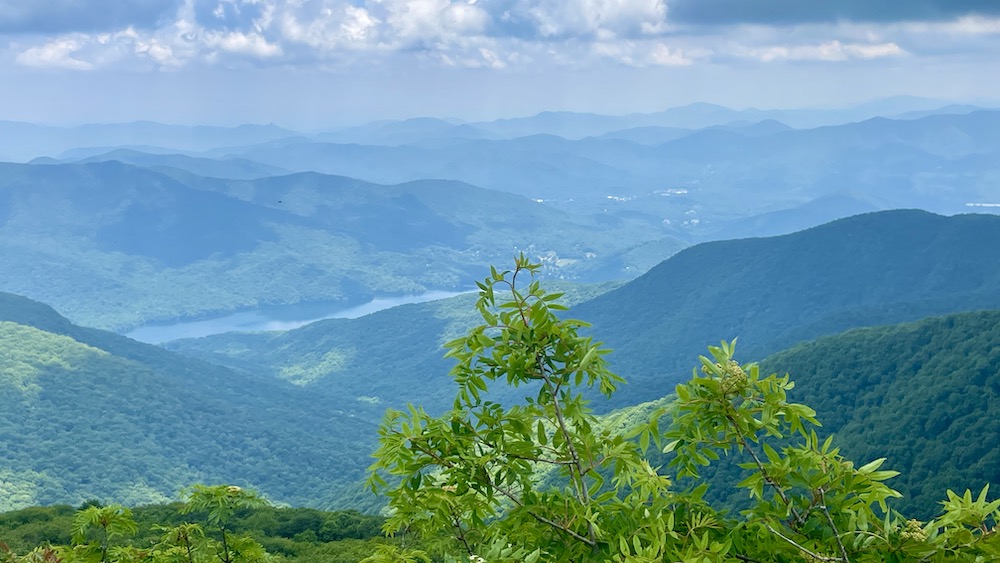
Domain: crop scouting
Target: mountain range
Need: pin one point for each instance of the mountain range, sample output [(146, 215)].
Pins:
[(294, 413), (872, 269), (120, 245)]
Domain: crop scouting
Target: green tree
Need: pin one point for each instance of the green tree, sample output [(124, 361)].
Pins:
[(95, 527), (181, 544), (470, 482), (220, 503)]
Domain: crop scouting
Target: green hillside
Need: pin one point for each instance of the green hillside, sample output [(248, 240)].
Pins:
[(88, 414), (119, 246), (868, 270), (872, 269), (925, 395), (387, 358)]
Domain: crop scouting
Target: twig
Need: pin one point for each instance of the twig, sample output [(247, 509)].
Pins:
[(836, 534), (799, 519), (801, 547)]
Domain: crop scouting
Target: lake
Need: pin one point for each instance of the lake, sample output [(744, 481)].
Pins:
[(276, 318)]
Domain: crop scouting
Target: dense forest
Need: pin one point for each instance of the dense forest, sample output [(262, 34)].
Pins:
[(229, 408)]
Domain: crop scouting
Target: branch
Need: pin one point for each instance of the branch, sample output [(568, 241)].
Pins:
[(826, 512), (592, 542), (576, 476), (513, 498), (799, 519), (800, 547)]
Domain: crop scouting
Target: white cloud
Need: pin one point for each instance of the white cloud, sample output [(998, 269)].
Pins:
[(433, 20), (623, 18), (57, 53), (251, 44), (484, 33), (829, 51), (665, 56)]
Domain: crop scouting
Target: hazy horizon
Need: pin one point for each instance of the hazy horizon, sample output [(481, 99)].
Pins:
[(310, 64)]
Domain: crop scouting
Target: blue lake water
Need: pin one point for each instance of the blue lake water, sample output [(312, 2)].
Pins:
[(275, 318)]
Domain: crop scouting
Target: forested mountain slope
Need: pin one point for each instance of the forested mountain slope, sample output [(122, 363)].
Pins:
[(924, 395), (771, 293), (88, 414), (867, 270)]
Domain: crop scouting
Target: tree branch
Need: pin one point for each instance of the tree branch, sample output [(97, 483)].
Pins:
[(800, 547), (836, 534)]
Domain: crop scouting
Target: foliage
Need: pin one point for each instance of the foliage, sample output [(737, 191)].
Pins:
[(95, 527), (166, 533), (467, 481), (220, 503)]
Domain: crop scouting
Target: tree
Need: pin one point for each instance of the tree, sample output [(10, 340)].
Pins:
[(180, 543), (94, 528), (471, 482), (220, 503)]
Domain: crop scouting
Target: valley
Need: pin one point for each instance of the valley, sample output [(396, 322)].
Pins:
[(247, 314)]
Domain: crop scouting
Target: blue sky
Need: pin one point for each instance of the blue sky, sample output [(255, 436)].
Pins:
[(314, 63)]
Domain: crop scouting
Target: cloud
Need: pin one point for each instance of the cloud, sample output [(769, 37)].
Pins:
[(556, 19), (665, 56), (789, 12), (55, 54), (497, 34), (831, 51)]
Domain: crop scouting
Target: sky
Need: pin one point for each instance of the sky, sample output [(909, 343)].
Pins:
[(316, 63)]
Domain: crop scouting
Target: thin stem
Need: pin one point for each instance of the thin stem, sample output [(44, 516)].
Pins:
[(836, 534), (513, 498), (799, 519), (800, 547), (460, 533), (576, 469)]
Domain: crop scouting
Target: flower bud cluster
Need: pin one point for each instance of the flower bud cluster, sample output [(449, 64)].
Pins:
[(735, 379), (913, 531)]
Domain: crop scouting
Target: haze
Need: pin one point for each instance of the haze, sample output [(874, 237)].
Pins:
[(310, 64)]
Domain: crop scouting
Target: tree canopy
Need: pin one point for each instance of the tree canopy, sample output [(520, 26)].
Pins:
[(471, 482)]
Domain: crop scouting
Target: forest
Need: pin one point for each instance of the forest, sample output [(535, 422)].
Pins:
[(727, 468)]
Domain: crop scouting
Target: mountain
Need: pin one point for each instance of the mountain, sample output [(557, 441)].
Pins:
[(187, 418), (402, 132), (25, 141), (234, 168), (921, 394), (939, 163), (866, 270), (388, 358), (115, 246), (823, 209), (924, 395), (89, 414)]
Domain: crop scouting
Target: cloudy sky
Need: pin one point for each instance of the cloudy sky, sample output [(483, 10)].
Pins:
[(313, 63)]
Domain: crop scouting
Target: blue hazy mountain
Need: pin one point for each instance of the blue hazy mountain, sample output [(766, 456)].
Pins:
[(115, 245)]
